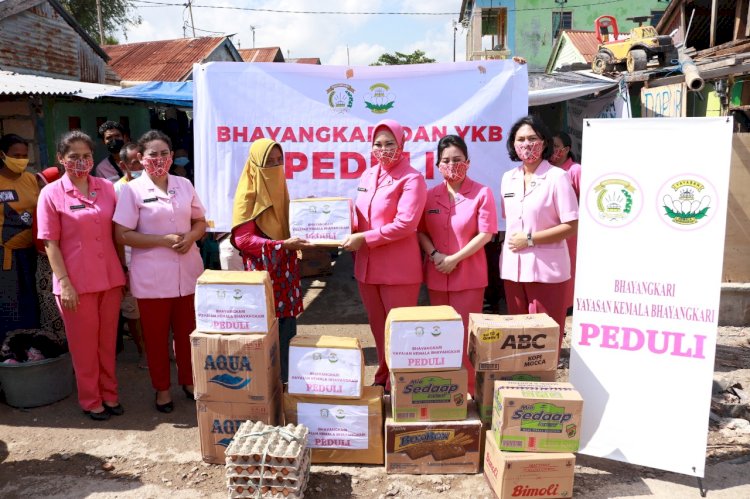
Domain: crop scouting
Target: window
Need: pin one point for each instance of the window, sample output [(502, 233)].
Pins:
[(656, 16), (561, 21), (494, 29), (74, 122)]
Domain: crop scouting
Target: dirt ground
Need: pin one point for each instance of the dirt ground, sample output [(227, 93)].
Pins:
[(56, 452)]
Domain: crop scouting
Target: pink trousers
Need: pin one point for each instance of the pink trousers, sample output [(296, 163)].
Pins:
[(379, 299), (467, 301), (537, 298), (91, 331)]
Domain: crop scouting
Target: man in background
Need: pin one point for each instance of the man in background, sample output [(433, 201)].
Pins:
[(114, 136)]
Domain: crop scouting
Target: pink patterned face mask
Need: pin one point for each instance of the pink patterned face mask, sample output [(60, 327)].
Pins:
[(387, 157), (78, 168), (529, 152), (157, 167), (558, 155), (454, 172)]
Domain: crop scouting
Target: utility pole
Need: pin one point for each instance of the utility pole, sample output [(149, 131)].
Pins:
[(455, 29), (100, 21), (192, 23), (252, 28)]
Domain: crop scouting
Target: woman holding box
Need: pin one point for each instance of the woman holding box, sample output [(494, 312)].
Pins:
[(75, 222), (390, 199), (540, 206), (459, 218), (160, 217), (260, 231)]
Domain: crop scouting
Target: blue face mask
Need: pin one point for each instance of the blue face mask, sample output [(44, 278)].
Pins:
[(136, 174), (181, 161)]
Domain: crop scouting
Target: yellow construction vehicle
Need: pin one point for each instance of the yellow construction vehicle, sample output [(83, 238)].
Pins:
[(633, 50)]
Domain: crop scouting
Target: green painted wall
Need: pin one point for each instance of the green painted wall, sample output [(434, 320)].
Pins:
[(533, 22), (58, 111)]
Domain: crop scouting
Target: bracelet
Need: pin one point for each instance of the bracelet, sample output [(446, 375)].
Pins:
[(433, 252)]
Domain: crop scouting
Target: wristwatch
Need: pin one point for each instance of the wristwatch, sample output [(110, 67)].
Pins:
[(433, 252), (529, 240)]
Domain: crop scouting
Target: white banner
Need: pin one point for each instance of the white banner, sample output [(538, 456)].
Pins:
[(650, 249), (323, 117)]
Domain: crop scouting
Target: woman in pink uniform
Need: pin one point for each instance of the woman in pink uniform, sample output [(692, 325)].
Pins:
[(541, 211), (160, 217), (564, 158), (459, 218), (75, 222), (390, 199)]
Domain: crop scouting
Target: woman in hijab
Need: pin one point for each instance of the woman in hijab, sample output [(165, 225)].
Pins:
[(260, 231), (388, 268)]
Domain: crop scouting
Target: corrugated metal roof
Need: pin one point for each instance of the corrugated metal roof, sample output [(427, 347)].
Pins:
[(305, 60), (25, 84), (164, 60), (585, 42), (263, 54)]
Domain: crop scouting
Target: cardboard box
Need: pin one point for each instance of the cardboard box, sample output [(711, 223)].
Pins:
[(513, 343), (314, 262), (342, 431), (218, 422), (236, 367), (536, 417), (424, 339), (437, 447), (528, 474), (322, 221), (484, 388), (326, 366), (429, 396), (234, 302)]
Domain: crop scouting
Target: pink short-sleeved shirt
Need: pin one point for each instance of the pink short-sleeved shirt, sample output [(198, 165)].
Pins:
[(82, 225), (549, 201), (161, 272), (451, 226)]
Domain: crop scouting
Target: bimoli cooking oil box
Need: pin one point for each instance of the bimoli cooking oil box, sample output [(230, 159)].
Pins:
[(326, 366), (321, 221), (234, 302), (536, 417), (424, 339), (513, 343), (236, 367), (528, 474), (485, 385), (429, 395)]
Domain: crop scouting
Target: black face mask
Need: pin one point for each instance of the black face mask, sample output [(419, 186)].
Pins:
[(114, 146)]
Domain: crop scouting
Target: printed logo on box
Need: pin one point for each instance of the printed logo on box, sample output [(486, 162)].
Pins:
[(406, 440), (335, 426), (542, 417)]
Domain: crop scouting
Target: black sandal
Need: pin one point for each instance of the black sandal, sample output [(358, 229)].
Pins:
[(165, 408), (98, 416), (114, 410), (190, 395)]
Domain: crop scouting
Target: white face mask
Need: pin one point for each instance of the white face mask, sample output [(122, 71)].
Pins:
[(136, 174)]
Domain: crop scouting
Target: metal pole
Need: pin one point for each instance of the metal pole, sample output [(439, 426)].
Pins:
[(455, 29), (192, 23), (100, 21)]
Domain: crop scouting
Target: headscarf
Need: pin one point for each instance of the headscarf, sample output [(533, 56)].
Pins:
[(262, 195)]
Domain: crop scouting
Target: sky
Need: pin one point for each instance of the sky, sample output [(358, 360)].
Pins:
[(311, 35)]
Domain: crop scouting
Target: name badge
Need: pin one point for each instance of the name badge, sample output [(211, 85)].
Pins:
[(8, 196), (433, 212), (77, 206), (509, 194), (361, 189), (150, 200)]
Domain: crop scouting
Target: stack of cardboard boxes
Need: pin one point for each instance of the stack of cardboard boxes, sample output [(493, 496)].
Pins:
[(433, 426), (510, 347), (325, 394), (235, 353)]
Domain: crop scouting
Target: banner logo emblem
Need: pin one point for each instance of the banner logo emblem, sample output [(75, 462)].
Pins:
[(380, 100), (686, 202), (340, 97), (615, 200)]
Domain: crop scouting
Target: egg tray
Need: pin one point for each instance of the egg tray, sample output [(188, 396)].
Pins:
[(272, 475), (238, 488), (257, 446)]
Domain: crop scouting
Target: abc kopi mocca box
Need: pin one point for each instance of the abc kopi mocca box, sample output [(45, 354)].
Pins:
[(536, 417)]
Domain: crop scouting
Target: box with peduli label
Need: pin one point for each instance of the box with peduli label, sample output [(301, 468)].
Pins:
[(326, 366), (429, 396), (424, 339), (321, 221), (236, 367), (528, 474), (343, 431), (513, 343), (536, 417), (433, 447), (484, 388), (234, 302), (219, 421)]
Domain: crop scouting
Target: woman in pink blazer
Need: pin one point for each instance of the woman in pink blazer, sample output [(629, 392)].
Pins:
[(390, 198)]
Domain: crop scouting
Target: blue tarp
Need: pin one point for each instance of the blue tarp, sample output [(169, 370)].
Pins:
[(166, 92)]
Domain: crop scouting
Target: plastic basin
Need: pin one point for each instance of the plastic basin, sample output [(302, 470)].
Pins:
[(31, 384)]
